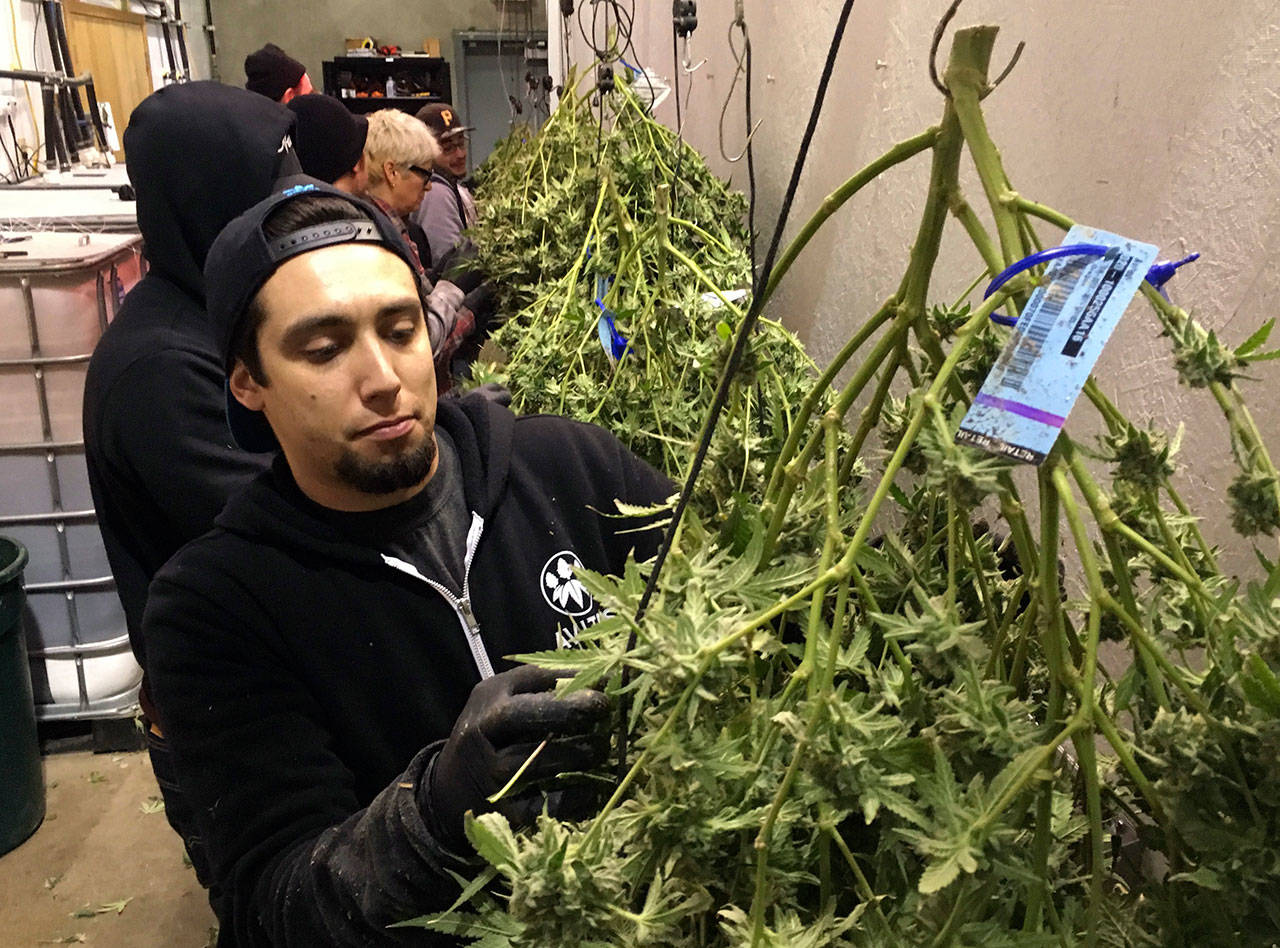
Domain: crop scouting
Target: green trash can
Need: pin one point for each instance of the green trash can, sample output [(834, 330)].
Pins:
[(21, 779)]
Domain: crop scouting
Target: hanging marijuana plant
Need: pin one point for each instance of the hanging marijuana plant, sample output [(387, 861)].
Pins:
[(885, 722)]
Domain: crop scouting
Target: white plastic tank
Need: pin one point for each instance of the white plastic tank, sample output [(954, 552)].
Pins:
[(58, 291)]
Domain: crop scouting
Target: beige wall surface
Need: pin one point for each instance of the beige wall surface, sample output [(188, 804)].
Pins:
[(1157, 120), (312, 31)]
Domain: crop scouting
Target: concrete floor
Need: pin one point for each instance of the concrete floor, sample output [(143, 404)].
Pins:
[(98, 845)]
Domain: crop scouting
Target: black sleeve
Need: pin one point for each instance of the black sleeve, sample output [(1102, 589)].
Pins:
[(170, 462), (294, 858)]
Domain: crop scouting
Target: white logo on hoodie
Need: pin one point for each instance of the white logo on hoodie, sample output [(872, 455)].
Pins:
[(564, 593)]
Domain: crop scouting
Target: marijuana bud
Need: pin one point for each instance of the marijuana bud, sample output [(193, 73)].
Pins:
[(1255, 503)]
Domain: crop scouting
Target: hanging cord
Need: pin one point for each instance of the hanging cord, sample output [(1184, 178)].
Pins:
[(684, 20), (742, 67), (938, 32), (675, 87), (731, 367)]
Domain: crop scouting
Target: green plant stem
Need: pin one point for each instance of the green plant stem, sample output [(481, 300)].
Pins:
[(1085, 750), (831, 431), (694, 228), (985, 595), (1034, 914), (967, 86), (771, 820), (797, 468), (1026, 774), (1013, 199), (1087, 755), (837, 198), (981, 240), (1192, 697), (871, 412), (1125, 755), (1111, 523), (1205, 550), (807, 407), (705, 280), (994, 667), (860, 882), (964, 337)]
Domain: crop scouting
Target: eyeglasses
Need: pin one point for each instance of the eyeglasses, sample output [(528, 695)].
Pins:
[(421, 172)]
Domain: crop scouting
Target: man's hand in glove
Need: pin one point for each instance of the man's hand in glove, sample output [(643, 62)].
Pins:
[(505, 720)]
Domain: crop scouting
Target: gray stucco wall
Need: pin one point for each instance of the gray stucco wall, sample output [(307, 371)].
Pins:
[(1155, 120), (312, 31)]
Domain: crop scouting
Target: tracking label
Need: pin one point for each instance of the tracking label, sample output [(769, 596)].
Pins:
[(1033, 386)]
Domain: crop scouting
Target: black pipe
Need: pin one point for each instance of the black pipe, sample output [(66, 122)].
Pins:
[(168, 43), (181, 30), (96, 116), (51, 32), (19, 175), (82, 130), (50, 125), (59, 135), (209, 31)]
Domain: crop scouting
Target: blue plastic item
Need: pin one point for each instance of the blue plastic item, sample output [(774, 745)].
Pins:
[(614, 343), (1158, 275)]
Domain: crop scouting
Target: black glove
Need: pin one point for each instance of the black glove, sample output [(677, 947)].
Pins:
[(494, 392), (483, 303), (505, 720), (457, 265)]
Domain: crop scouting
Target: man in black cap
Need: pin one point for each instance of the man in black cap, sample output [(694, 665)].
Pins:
[(330, 659), (161, 463), (329, 140), (448, 208), (272, 72)]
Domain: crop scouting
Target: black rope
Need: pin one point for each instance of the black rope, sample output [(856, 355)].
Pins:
[(751, 165), (731, 367), (675, 84)]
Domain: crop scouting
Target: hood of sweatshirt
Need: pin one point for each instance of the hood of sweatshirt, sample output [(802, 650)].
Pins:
[(199, 155), (481, 432)]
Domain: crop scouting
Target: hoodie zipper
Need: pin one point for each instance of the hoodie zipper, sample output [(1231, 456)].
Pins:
[(461, 605)]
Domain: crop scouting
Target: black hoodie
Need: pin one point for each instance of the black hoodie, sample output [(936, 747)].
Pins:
[(161, 462), (300, 675)]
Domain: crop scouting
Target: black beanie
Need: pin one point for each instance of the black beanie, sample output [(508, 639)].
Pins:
[(270, 71), (328, 138)]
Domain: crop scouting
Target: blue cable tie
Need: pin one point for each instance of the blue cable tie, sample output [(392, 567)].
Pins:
[(1162, 272), (614, 343), (1158, 275)]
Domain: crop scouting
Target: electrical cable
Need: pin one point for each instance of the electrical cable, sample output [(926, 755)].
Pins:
[(675, 88), (732, 364), (26, 90)]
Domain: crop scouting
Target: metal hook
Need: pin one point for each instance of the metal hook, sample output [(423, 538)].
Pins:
[(739, 69), (684, 60), (937, 40)]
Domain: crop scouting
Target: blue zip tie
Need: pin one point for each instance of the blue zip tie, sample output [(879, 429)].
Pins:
[(1158, 275), (614, 343), (1162, 272)]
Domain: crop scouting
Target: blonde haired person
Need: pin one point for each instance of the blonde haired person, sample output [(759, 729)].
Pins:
[(399, 152)]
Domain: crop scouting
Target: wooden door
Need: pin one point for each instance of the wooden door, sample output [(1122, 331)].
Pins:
[(111, 44)]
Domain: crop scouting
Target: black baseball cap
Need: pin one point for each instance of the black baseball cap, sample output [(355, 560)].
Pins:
[(243, 258), (328, 137), (443, 120)]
